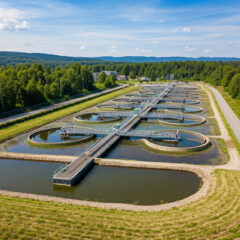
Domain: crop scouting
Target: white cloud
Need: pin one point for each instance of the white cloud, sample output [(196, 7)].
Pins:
[(12, 19), (190, 49), (206, 50), (23, 25), (113, 47), (186, 29), (83, 48), (114, 51), (140, 50), (230, 43)]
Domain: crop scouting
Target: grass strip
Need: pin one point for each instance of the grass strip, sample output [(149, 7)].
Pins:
[(234, 103), (27, 125), (234, 139), (214, 216)]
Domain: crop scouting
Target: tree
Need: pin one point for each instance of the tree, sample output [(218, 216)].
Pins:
[(102, 77), (234, 86), (227, 77), (54, 90), (109, 82), (216, 76), (132, 75)]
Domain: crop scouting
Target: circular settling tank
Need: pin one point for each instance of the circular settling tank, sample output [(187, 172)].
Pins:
[(94, 118), (182, 108), (108, 107), (52, 137), (187, 120), (186, 141)]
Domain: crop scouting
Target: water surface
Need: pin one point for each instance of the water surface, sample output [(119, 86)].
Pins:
[(104, 184)]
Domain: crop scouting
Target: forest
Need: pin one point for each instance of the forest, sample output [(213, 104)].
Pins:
[(24, 85), (226, 74)]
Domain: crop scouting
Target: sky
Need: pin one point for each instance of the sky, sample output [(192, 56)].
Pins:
[(89, 28)]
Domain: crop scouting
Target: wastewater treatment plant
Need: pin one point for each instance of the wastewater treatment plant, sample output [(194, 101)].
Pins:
[(150, 148)]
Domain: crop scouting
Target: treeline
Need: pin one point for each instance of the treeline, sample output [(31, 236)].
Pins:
[(226, 74), (26, 85), (16, 58)]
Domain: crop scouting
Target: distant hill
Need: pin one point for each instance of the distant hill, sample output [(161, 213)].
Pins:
[(14, 58), (140, 59)]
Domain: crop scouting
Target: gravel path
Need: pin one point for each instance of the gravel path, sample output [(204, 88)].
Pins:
[(234, 162), (232, 119)]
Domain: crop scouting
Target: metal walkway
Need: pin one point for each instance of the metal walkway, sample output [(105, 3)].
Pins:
[(142, 99), (78, 168), (136, 105), (164, 135), (126, 114)]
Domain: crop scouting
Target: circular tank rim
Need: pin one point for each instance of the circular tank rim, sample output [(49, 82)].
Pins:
[(31, 139), (202, 121), (155, 146), (114, 119), (111, 106)]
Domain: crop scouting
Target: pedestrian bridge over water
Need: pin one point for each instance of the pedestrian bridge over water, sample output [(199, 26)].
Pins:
[(171, 135)]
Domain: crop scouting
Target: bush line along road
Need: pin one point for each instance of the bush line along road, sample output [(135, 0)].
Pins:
[(213, 216)]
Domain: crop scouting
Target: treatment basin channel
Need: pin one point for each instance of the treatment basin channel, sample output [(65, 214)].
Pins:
[(103, 184)]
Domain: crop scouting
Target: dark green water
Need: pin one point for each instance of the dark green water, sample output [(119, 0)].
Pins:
[(187, 140), (53, 136), (185, 121), (135, 150), (105, 184)]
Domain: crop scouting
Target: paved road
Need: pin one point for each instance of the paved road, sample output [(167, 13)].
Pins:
[(34, 112), (232, 119)]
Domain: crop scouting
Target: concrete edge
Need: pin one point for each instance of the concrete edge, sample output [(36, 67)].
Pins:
[(175, 149), (31, 140), (115, 119), (202, 120)]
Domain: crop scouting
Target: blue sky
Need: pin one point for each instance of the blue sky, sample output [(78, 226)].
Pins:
[(121, 28)]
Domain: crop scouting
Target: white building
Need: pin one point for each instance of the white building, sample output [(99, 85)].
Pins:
[(122, 77), (95, 76), (110, 73), (144, 79)]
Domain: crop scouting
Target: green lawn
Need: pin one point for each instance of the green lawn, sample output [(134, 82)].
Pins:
[(215, 216), (47, 118), (234, 103)]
